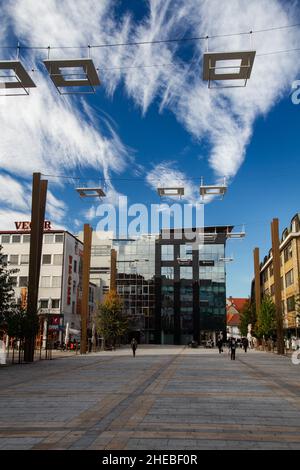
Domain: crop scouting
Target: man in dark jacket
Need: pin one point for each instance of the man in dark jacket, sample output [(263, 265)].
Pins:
[(133, 346), (232, 347), (245, 344)]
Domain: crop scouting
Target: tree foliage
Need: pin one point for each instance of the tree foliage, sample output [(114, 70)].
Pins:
[(8, 305), (111, 323), (247, 316), (266, 321)]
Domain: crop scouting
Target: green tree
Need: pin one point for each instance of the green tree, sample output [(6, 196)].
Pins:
[(8, 305), (247, 316), (111, 323), (266, 320)]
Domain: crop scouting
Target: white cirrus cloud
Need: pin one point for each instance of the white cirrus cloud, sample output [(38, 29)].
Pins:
[(55, 132)]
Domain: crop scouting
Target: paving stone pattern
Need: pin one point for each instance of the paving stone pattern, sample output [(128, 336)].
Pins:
[(166, 398)]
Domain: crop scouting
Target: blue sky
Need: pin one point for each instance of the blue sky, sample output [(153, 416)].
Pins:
[(149, 125)]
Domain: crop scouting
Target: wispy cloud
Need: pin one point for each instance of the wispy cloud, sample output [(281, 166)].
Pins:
[(165, 175), (55, 132)]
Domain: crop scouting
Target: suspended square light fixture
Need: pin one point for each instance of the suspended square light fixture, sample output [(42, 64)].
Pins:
[(213, 190), (170, 192), (91, 192), (73, 73), (226, 66), (18, 78)]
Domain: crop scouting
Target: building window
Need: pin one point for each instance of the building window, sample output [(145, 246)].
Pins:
[(16, 239), (14, 281), (105, 289), (290, 303), (14, 259), (48, 238), (75, 266), (167, 272), (23, 281), (45, 281), (289, 278), (73, 307), (5, 239), (265, 275), (44, 303), (55, 303), (56, 281), (186, 252), (272, 289), (24, 259), (288, 253), (46, 259), (186, 293), (167, 252), (26, 238), (100, 270), (59, 238), (100, 250), (57, 260), (74, 287), (186, 272)]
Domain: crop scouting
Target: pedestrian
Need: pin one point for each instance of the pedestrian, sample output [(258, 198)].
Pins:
[(245, 344), (232, 347), (220, 345), (133, 346)]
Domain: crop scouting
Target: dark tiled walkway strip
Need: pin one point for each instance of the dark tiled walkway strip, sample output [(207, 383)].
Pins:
[(166, 398)]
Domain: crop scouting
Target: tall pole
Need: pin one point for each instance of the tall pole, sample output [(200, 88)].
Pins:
[(39, 194), (257, 289), (87, 244), (277, 284), (113, 270)]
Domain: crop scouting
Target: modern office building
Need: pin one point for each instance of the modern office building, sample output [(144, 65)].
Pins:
[(191, 287), (173, 291), (290, 268), (135, 283), (60, 288)]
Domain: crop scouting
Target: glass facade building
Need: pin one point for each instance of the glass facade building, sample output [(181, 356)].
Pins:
[(135, 283), (191, 288), (173, 291)]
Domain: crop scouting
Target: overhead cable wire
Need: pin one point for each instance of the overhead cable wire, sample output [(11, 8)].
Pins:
[(157, 41)]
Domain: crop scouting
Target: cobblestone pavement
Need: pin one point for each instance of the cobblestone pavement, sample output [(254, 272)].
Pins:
[(166, 398)]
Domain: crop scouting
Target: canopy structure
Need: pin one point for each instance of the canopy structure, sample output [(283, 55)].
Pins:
[(17, 79), (170, 192), (227, 66), (73, 73), (91, 192)]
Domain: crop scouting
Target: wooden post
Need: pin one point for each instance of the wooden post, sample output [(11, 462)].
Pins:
[(257, 288), (277, 284), (113, 270), (39, 194), (87, 244)]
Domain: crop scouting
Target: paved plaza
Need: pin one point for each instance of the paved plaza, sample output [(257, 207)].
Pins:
[(168, 398)]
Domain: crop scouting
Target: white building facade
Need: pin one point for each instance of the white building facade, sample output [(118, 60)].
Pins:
[(60, 288)]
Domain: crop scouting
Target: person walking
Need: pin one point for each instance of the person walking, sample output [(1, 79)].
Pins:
[(133, 346), (220, 345), (245, 344), (232, 347)]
